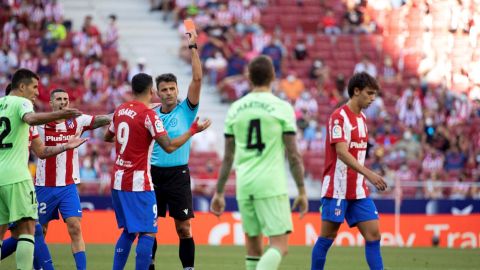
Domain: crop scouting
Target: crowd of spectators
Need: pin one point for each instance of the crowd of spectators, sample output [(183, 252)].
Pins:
[(35, 35), (423, 127)]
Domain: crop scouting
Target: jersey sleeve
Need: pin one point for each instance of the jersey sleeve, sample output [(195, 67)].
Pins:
[(190, 111), (289, 124), (85, 121), (336, 129), (34, 133), (154, 124), (228, 129), (24, 106)]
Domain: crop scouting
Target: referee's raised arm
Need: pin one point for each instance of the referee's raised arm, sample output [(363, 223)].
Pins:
[(197, 74)]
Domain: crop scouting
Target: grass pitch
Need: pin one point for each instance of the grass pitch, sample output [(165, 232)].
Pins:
[(100, 257)]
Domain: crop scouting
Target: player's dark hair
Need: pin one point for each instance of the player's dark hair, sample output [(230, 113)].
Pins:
[(167, 77), (8, 89), (58, 90), (23, 75), (141, 82), (361, 80), (261, 71)]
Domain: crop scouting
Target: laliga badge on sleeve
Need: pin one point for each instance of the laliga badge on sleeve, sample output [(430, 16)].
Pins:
[(336, 130)]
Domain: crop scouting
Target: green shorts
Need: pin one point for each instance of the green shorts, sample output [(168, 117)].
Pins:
[(271, 216), (17, 201)]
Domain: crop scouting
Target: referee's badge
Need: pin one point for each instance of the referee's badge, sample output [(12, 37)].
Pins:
[(336, 130)]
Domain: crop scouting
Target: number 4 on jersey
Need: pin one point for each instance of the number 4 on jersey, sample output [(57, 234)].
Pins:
[(254, 127)]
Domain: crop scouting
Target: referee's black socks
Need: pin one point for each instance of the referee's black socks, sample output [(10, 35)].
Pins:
[(186, 252)]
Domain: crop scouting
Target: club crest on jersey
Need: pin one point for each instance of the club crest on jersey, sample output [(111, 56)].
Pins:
[(336, 130), (69, 123), (173, 122), (338, 212)]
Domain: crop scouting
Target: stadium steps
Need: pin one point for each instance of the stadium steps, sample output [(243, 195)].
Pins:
[(145, 34)]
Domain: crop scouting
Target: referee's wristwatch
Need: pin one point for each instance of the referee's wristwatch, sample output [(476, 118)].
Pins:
[(192, 46)]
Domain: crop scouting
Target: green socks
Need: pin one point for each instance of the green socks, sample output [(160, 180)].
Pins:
[(251, 262), (270, 260), (24, 255)]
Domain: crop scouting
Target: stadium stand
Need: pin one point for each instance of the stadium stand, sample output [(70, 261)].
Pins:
[(424, 125)]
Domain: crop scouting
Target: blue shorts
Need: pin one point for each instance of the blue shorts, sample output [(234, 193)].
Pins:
[(135, 211), (354, 211), (52, 200)]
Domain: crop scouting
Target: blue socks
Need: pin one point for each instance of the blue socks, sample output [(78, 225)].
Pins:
[(319, 252), (122, 249), (80, 260), (8, 247), (42, 257), (144, 252), (372, 253)]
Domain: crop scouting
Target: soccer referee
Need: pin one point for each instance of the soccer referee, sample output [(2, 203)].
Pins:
[(170, 173)]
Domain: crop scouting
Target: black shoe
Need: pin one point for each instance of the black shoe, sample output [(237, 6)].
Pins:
[(151, 267)]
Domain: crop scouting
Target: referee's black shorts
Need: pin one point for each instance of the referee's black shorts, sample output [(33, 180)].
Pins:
[(173, 192)]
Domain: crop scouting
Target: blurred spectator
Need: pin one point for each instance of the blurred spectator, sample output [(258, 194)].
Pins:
[(433, 189), (275, 52), (29, 62), (120, 72), (353, 19), (319, 71), (215, 66), (89, 28), (454, 159), (376, 110), (53, 11), (8, 60), (68, 66), (292, 86), (45, 67), (57, 30), (306, 103), (48, 44), (366, 65), (387, 138), (405, 174), (329, 23), (97, 73), (117, 93), (300, 50), (248, 19), (408, 148), (389, 72), (92, 96), (138, 68), (236, 63), (88, 173), (111, 36), (432, 160), (460, 189)]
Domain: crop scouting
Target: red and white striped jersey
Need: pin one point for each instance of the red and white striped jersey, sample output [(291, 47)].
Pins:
[(340, 181), (135, 126), (62, 169), (33, 134)]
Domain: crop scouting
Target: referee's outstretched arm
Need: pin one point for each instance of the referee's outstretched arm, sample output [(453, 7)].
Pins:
[(197, 74)]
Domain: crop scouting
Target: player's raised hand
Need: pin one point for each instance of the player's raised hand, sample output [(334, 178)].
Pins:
[(75, 141), (67, 113), (199, 127), (301, 201), (377, 181), (217, 205)]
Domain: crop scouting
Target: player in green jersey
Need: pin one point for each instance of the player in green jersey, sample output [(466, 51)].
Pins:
[(17, 195), (258, 129)]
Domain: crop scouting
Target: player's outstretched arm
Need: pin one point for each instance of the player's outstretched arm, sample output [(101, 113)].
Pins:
[(108, 136), (197, 74), (42, 151), (296, 168), (102, 120), (217, 205), (169, 145), (35, 119), (342, 152)]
